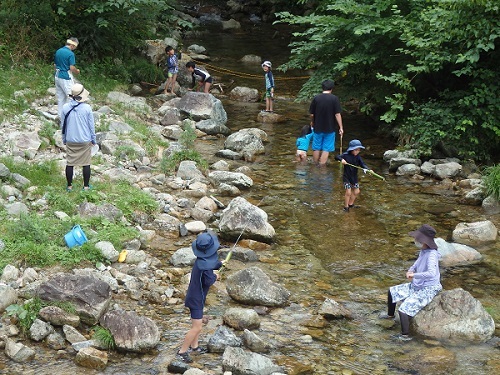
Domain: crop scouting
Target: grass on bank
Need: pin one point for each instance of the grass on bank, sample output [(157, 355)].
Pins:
[(491, 180), (37, 238)]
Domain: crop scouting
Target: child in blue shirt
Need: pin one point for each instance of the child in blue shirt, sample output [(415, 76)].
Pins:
[(172, 69), (303, 143), (269, 78)]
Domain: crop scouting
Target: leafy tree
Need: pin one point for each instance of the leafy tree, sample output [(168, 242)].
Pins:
[(427, 67)]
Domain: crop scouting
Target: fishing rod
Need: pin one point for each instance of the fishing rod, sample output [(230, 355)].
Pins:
[(368, 170)]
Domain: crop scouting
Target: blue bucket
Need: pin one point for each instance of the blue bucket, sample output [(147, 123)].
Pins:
[(75, 237)]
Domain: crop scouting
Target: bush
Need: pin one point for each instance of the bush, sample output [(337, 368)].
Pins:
[(491, 179)]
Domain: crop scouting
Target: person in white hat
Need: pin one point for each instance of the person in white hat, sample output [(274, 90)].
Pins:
[(78, 134), (269, 79), (64, 65)]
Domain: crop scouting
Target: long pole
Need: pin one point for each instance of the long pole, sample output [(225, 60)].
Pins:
[(369, 170)]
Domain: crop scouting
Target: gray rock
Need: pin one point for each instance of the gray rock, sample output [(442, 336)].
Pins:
[(231, 24), (90, 296), (221, 165), (200, 106), (447, 170), (188, 171), (393, 154), (227, 190), (242, 216), (239, 361), (255, 343), (251, 139), (135, 256), (40, 330), (407, 170), (395, 163), (455, 254), (195, 48), (475, 196), (17, 209), (135, 103), (251, 59), (183, 257), (20, 181), (244, 94), (171, 116), (8, 296), (131, 332), (166, 226), (252, 286), (10, 273), (107, 250), (18, 352), (241, 319), (55, 341), (477, 233), (106, 210), (92, 358), (221, 339), (72, 334), (331, 309), (228, 154), (491, 205), (428, 168), (242, 254), (29, 275), (455, 317), (4, 172), (174, 132), (212, 127), (58, 317), (119, 127), (240, 180)]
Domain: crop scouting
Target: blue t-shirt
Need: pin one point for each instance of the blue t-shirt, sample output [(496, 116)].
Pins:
[(304, 142), (268, 76), (63, 59)]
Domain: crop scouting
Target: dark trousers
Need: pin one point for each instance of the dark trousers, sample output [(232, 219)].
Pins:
[(403, 318), (86, 175)]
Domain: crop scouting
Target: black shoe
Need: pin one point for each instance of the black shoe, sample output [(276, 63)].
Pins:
[(346, 209), (401, 337), (184, 357), (353, 206), (198, 350), (385, 316)]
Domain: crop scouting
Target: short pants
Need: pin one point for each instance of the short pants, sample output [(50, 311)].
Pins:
[(323, 142), (196, 314), (348, 185)]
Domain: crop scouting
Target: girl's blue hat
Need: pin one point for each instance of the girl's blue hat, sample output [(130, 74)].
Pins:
[(205, 245), (354, 144)]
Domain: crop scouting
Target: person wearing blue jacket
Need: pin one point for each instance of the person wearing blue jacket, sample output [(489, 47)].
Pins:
[(350, 177), (303, 142), (425, 282), (202, 277), (78, 134)]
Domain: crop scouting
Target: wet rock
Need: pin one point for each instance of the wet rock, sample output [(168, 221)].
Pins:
[(427, 361), (408, 170), (227, 190), (331, 309), (241, 319), (130, 331), (177, 367), (58, 317), (270, 117), (491, 205), (55, 341), (92, 358), (239, 361), (221, 339), (475, 197), (228, 154), (90, 296), (244, 94), (18, 352), (239, 180), (249, 141), (252, 286), (455, 317), (476, 233), (242, 216), (212, 127), (395, 163), (240, 253), (221, 165), (454, 254), (255, 343), (40, 330)]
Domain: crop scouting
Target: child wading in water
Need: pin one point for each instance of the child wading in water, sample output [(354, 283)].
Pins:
[(172, 69), (350, 176), (303, 143), (269, 78), (202, 277)]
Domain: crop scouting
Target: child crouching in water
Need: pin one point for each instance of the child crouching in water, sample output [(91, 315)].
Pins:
[(202, 277), (303, 142), (350, 177)]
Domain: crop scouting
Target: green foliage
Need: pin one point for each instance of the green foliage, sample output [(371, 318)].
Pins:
[(104, 337), (426, 66), (170, 163), (188, 136), (491, 180), (25, 314)]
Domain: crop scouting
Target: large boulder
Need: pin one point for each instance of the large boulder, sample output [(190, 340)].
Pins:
[(239, 180), (221, 339), (90, 296), (251, 286), (455, 254), (447, 170), (135, 103), (240, 216), (244, 94), (130, 331), (201, 106), (212, 127), (395, 163), (455, 317), (477, 233), (247, 141)]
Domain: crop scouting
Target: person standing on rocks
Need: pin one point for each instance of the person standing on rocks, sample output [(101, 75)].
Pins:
[(325, 116), (425, 282), (64, 65), (202, 277), (78, 134), (269, 81)]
